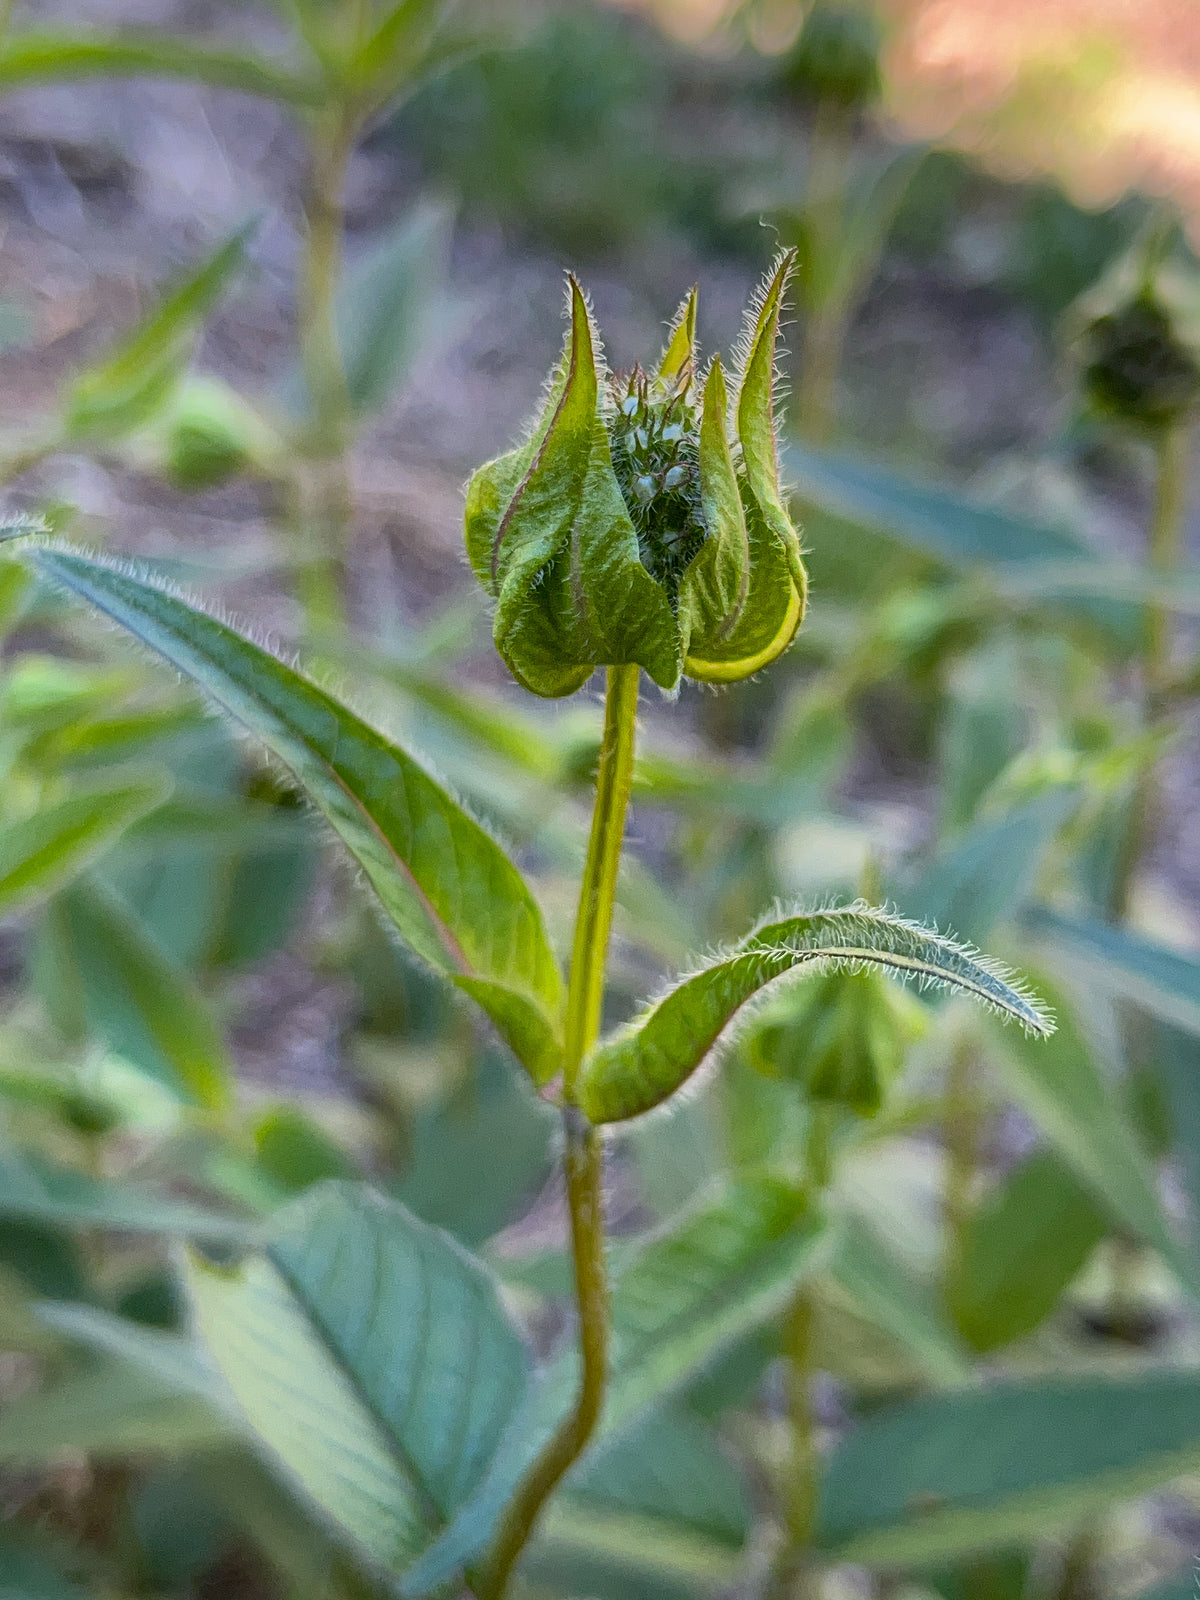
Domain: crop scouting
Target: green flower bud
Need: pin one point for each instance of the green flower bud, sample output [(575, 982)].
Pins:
[(842, 1036), (210, 435), (1137, 336), (642, 523), (836, 56)]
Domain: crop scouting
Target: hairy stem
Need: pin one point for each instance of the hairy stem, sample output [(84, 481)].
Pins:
[(583, 1155), (325, 496)]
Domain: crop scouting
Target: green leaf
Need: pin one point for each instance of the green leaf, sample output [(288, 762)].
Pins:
[(983, 878), (725, 1267), (1161, 980), (1064, 1091), (670, 1467), (610, 1554), (452, 893), (945, 1477), (32, 1187), (42, 852), (680, 1300), (494, 1128), (384, 314), (373, 1357), (892, 1299), (133, 995), (26, 1573), (41, 56), (110, 1408), (1020, 1250), (122, 391), (648, 1060), (939, 522)]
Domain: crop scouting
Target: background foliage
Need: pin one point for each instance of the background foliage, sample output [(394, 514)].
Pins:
[(273, 281)]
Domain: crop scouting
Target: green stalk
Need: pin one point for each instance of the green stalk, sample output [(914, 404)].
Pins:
[(830, 304), (325, 497), (962, 1128), (583, 1155), (794, 1573), (1164, 550)]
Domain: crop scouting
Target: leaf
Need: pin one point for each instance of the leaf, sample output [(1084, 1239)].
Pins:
[(32, 1187), (1177, 1057), (41, 56), (452, 893), (669, 1467), (609, 1554), (127, 387), (43, 851), (891, 1299), (27, 1573), (1020, 1249), (384, 314), (647, 1061), (681, 1299), (372, 1356), (984, 877), (726, 1266), (942, 1478), (109, 1409), (1061, 1087), (497, 1130), (1161, 980), (939, 522), (134, 997)]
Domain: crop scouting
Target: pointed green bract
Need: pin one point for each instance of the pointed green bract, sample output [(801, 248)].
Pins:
[(712, 596), (680, 352), (756, 421), (655, 1054), (451, 892)]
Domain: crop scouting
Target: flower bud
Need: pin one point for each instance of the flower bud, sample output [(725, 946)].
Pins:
[(842, 1036), (642, 523), (836, 57), (1138, 341)]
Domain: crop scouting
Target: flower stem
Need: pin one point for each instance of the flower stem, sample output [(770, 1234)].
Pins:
[(1164, 548), (326, 500), (583, 1154), (795, 1574)]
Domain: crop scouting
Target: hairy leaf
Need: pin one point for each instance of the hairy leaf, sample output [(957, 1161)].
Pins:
[(452, 893), (657, 1052)]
